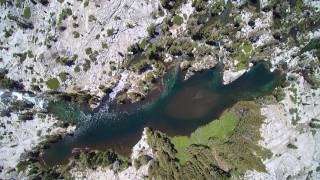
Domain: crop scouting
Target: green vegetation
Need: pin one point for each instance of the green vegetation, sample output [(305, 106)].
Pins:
[(142, 160), (65, 13), (299, 6), (26, 12), (7, 83), (171, 5), (292, 146), (86, 65), (86, 3), (22, 56), (243, 61), (92, 18), (313, 44), (178, 20), (30, 54), (219, 130), (315, 123), (19, 105), (82, 159), (77, 69), (76, 34), (88, 50), (247, 47), (63, 60), (2, 2), (53, 83), (151, 30), (279, 94), (224, 148), (104, 45), (18, 3), (96, 159), (110, 32), (63, 76)]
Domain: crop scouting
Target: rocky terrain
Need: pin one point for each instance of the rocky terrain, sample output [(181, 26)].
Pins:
[(71, 46), (24, 124), (119, 48)]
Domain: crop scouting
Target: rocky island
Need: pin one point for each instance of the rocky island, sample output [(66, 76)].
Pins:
[(160, 89)]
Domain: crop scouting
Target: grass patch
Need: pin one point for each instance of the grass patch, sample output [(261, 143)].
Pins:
[(243, 61), (247, 47), (26, 12), (53, 84), (220, 130)]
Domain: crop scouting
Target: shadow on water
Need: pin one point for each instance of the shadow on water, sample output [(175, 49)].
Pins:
[(179, 110)]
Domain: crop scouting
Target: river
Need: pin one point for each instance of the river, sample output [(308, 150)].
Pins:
[(178, 110)]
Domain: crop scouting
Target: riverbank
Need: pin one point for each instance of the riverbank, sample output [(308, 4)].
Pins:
[(289, 134), (24, 125)]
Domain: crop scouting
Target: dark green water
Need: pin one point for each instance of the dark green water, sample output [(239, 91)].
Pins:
[(180, 109)]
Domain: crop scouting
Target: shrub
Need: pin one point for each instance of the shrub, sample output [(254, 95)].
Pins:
[(178, 20), (104, 45), (151, 30), (92, 18), (30, 54), (292, 146), (86, 65), (110, 32), (63, 76), (64, 14), (53, 84), (76, 34), (88, 51), (86, 3), (77, 69)]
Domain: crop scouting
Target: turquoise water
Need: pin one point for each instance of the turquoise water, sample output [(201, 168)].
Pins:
[(180, 109)]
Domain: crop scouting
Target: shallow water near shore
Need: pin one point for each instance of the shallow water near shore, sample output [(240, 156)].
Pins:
[(179, 110)]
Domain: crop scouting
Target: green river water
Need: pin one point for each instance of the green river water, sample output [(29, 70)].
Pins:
[(180, 109)]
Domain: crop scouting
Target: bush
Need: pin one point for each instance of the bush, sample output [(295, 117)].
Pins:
[(171, 5), (104, 45), (77, 69), (92, 18), (53, 84), (110, 32), (88, 51), (292, 146), (76, 34), (247, 47), (151, 30), (178, 20), (86, 65), (64, 14), (63, 76)]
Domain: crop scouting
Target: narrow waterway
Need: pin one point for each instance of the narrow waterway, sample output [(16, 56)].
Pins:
[(180, 109)]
